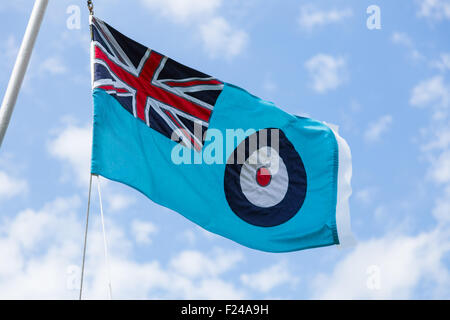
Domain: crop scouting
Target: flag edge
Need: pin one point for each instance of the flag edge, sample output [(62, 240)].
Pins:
[(344, 191)]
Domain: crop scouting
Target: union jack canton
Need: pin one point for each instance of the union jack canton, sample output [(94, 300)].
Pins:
[(173, 99)]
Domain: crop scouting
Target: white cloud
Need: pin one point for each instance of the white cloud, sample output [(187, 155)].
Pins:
[(402, 38), (10, 251), (381, 213), (43, 249), (311, 17), (220, 39), (440, 141), (269, 278), (29, 226), (151, 280), (401, 264), (188, 236), (443, 64), (10, 48), (195, 264), (53, 65), (216, 289), (39, 245), (405, 263), (434, 9), (118, 202), (440, 168), (327, 72), (377, 128), (11, 186), (441, 210), (73, 146), (142, 230), (390, 267), (433, 92), (184, 10), (365, 195)]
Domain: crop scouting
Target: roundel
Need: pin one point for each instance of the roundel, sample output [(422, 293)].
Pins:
[(265, 179)]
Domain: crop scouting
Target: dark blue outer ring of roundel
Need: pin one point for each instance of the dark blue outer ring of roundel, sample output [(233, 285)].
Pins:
[(295, 195)]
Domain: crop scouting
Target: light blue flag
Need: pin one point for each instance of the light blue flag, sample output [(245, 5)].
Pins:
[(230, 162)]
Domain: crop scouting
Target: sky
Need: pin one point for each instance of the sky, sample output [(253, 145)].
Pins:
[(386, 85)]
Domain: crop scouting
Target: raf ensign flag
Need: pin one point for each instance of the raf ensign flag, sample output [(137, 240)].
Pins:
[(228, 161)]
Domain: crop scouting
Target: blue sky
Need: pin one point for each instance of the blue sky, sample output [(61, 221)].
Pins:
[(388, 90)]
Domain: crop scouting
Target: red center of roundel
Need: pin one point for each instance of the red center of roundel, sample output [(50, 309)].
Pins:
[(263, 176)]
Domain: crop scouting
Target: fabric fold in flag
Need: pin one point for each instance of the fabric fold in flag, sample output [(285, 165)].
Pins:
[(232, 163)]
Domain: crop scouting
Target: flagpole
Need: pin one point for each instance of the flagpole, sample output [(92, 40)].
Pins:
[(85, 236), (21, 65)]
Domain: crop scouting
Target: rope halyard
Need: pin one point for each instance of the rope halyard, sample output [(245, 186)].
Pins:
[(105, 246)]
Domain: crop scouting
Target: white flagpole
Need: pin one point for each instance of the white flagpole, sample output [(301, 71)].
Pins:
[(21, 65)]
